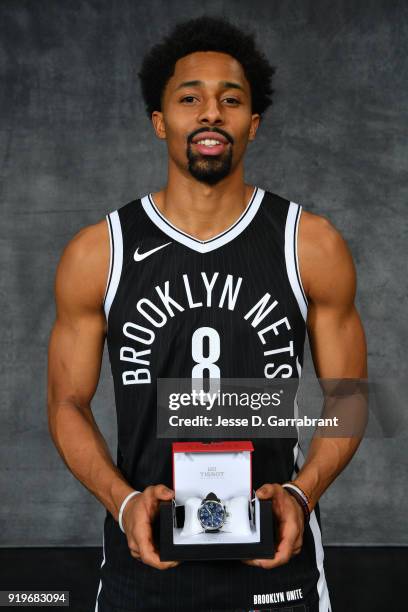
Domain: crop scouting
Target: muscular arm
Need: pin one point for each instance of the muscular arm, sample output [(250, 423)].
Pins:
[(74, 361), (339, 351), (336, 338)]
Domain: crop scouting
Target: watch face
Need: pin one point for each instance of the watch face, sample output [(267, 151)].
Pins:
[(211, 515)]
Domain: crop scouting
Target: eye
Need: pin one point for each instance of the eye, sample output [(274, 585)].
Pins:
[(232, 101), (188, 99)]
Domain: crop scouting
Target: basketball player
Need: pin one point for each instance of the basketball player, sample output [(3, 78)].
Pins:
[(201, 253)]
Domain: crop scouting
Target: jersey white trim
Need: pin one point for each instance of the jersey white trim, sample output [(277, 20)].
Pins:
[(204, 246), (324, 598), (299, 459), (291, 256), (102, 564), (296, 414), (322, 589), (116, 259), (110, 257)]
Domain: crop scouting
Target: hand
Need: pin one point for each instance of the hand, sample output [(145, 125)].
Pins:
[(137, 521), (290, 517)]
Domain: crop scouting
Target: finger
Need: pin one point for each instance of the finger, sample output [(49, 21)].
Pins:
[(276, 494), (278, 559), (135, 553), (149, 555), (143, 536), (152, 558), (147, 550), (160, 491), (141, 544), (262, 563), (252, 562), (289, 542), (266, 491), (298, 543)]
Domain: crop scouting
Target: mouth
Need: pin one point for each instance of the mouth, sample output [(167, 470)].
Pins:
[(210, 143)]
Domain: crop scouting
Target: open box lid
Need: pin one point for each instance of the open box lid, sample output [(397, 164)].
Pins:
[(223, 468)]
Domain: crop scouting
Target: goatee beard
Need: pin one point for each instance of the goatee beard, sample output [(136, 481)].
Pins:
[(207, 169)]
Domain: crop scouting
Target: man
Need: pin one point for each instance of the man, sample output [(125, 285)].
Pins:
[(165, 265)]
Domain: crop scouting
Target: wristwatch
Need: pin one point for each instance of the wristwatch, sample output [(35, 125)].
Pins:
[(211, 513)]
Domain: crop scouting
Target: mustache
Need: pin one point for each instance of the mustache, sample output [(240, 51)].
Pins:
[(215, 130)]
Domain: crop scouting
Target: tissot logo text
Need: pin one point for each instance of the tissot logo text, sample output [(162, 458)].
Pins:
[(211, 473)]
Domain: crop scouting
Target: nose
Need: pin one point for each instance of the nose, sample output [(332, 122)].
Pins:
[(211, 113)]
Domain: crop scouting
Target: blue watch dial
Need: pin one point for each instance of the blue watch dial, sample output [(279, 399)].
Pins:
[(211, 515)]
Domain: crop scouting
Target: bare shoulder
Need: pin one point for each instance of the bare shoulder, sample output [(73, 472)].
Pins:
[(84, 266), (325, 260), (318, 232)]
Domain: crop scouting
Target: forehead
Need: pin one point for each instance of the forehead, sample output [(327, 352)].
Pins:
[(210, 67)]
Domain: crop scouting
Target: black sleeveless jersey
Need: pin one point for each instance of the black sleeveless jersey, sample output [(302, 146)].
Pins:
[(244, 285)]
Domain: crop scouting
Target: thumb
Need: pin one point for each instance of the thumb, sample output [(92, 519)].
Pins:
[(163, 492), (262, 492), (267, 491)]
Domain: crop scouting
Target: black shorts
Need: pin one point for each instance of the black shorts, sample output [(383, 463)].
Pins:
[(104, 606)]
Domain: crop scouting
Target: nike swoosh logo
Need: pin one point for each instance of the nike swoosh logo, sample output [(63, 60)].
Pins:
[(140, 256)]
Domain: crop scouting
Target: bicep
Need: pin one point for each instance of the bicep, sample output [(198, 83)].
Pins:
[(337, 342), (74, 360), (77, 339), (335, 331)]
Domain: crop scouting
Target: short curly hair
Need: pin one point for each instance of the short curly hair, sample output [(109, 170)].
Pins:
[(205, 34)]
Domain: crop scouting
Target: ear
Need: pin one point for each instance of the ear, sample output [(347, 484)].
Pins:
[(158, 124), (254, 126)]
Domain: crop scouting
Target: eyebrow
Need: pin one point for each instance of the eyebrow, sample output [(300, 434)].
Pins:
[(226, 84)]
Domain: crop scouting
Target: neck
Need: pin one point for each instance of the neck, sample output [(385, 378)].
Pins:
[(202, 210)]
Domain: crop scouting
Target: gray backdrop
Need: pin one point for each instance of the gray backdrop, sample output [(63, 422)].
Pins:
[(75, 144)]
